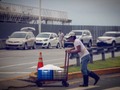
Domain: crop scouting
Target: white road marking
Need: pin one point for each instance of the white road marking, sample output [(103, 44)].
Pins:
[(16, 65), (8, 66), (14, 72), (33, 67), (52, 63)]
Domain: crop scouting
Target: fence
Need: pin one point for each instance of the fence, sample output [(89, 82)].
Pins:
[(8, 28)]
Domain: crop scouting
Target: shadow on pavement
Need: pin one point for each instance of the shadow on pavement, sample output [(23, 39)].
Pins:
[(18, 87)]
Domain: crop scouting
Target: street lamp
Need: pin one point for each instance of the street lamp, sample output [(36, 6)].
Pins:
[(39, 16)]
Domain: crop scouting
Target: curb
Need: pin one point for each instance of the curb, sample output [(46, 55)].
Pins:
[(74, 75), (99, 72)]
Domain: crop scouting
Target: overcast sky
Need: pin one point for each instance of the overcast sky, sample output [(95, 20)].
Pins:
[(82, 12)]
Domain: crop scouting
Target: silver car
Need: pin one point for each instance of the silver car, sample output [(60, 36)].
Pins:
[(23, 39), (110, 38), (84, 35)]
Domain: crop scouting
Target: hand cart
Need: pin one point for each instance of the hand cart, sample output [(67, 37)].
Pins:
[(55, 75)]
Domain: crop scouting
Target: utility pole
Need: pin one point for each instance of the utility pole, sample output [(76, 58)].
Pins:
[(39, 16)]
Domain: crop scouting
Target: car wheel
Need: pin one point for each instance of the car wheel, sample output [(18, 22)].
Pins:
[(34, 46), (58, 45), (7, 48), (38, 83), (25, 46), (65, 83), (90, 43), (113, 43), (49, 45), (82, 41)]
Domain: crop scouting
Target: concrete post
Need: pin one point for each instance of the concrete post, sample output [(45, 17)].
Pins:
[(77, 61), (103, 54), (113, 52), (91, 54)]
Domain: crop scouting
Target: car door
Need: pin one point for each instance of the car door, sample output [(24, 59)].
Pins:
[(84, 37), (55, 39), (51, 40), (30, 39), (118, 38), (88, 37)]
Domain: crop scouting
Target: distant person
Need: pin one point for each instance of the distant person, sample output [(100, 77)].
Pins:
[(61, 39), (83, 53)]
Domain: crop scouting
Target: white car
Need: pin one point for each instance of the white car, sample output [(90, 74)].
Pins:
[(22, 39), (84, 35), (110, 38), (47, 40)]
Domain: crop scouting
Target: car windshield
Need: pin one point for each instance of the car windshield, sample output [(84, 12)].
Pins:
[(43, 35), (110, 34), (18, 35), (78, 33)]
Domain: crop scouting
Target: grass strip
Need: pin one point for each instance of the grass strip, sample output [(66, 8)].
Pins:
[(100, 64)]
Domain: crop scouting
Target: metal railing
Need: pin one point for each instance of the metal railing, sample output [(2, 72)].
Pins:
[(103, 51), (100, 50)]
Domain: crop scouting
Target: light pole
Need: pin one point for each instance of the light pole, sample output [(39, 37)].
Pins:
[(39, 16)]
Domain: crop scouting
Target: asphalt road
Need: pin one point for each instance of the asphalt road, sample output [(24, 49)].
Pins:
[(14, 63)]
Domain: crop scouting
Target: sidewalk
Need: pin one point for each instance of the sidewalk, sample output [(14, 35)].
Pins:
[(106, 82), (109, 78)]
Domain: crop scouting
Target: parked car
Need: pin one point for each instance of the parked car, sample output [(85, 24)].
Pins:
[(110, 38), (84, 35), (47, 40), (22, 39)]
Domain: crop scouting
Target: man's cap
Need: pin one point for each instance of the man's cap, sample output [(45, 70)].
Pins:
[(71, 34)]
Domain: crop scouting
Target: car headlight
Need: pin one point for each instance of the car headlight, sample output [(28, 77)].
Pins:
[(109, 39), (45, 40), (9, 41), (18, 41), (98, 40), (21, 42)]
